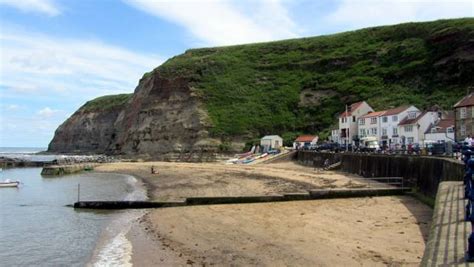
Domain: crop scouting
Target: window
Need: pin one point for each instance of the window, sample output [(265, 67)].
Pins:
[(450, 130), (463, 113), (410, 140), (373, 120), (412, 114), (395, 118), (374, 131), (385, 119), (361, 121), (463, 130), (362, 132), (353, 119), (395, 131), (384, 131), (409, 128)]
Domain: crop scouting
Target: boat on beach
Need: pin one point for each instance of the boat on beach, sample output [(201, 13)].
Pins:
[(8, 183)]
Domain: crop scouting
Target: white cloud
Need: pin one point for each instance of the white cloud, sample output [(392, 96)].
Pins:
[(47, 112), (47, 7), (364, 13), (225, 22), (34, 63)]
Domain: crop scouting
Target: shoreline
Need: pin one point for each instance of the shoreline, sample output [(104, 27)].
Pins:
[(188, 235)]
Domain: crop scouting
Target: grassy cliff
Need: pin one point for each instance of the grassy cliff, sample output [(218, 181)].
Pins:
[(106, 102), (299, 85)]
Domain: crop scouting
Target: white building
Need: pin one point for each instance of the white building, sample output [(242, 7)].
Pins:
[(369, 125), (269, 142), (305, 141), (389, 134), (335, 136), (442, 131), (412, 128), (348, 127)]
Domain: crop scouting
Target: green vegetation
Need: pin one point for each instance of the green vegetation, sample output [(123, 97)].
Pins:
[(106, 102), (256, 89)]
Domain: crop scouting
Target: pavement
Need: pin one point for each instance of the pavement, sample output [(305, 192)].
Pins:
[(447, 241)]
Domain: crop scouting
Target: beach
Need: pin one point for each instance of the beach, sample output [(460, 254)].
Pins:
[(358, 231)]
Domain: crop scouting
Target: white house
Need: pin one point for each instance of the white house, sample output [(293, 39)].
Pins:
[(335, 136), (389, 133), (412, 128), (305, 140), (269, 142), (369, 125), (442, 131), (348, 127)]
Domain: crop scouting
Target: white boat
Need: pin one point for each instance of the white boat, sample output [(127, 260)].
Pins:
[(8, 183)]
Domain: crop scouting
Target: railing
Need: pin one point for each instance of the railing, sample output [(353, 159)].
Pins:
[(469, 195)]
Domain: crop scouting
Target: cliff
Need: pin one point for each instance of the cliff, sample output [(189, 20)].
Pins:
[(220, 98)]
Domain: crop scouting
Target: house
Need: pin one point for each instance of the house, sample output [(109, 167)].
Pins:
[(269, 142), (464, 117), (369, 125), (348, 127), (335, 136), (413, 127), (441, 131), (305, 140), (389, 135)]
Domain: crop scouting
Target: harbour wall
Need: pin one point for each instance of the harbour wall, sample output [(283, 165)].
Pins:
[(424, 174)]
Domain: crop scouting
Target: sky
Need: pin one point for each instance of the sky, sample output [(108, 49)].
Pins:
[(57, 54)]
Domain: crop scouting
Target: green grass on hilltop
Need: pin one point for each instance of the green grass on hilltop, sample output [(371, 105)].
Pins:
[(252, 90), (106, 102)]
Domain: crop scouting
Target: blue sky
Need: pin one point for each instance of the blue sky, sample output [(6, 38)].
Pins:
[(57, 54)]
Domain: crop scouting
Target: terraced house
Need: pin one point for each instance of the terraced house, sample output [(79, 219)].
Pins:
[(464, 117), (348, 128)]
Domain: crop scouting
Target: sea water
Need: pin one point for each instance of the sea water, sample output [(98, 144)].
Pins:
[(37, 228)]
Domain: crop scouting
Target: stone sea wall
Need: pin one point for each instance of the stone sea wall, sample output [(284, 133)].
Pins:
[(421, 173)]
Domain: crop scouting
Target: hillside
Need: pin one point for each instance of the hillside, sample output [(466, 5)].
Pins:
[(299, 86)]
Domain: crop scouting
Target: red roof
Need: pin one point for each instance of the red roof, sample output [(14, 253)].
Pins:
[(305, 138), (466, 101), (373, 114), (352, 108), (441, 126), (394, 111), (407, 121)]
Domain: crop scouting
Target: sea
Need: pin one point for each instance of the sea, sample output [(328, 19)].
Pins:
[(38, 227)]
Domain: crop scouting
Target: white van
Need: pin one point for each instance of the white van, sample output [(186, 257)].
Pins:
[(369, 143)]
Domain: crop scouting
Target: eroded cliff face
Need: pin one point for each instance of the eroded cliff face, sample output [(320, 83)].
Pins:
[(86, 132), (163, 117)]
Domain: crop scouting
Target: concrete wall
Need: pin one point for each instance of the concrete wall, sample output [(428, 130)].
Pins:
[(422, 173)]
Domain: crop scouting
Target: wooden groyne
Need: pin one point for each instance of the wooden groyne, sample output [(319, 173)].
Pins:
[(55, 170), (194, 201)]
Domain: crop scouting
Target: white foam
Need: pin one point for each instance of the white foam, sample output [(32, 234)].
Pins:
[(117, 249)]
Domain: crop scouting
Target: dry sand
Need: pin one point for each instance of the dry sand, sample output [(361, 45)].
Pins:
[(353, 232), (176, 181)]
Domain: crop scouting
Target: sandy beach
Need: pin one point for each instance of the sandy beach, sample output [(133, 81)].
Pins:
[(362, 232)]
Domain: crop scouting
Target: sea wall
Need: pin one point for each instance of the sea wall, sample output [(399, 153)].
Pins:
[(421, 173)]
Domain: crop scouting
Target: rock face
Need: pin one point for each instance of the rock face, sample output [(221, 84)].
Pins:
[(86, 131), (163, 117)]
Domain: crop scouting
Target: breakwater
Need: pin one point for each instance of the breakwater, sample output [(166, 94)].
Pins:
[(194, 201), (421, 173), (55, 170)]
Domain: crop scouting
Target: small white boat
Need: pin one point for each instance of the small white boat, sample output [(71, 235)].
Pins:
[(8, 183)]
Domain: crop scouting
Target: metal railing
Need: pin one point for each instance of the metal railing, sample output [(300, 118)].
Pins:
[(468, 152)]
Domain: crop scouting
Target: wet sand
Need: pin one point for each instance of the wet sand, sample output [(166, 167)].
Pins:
[(363, 231)]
